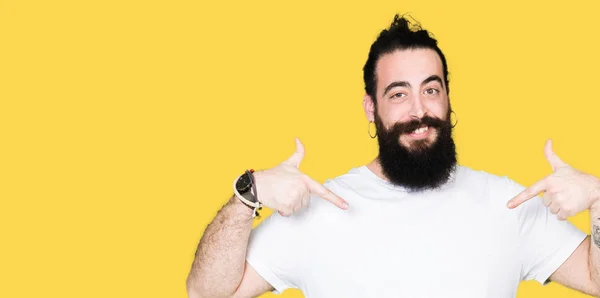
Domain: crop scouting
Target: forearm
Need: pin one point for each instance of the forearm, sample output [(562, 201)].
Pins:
[(594, 261), (220, 258)]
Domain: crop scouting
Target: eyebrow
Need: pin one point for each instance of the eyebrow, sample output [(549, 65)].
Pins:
[(407, 84)]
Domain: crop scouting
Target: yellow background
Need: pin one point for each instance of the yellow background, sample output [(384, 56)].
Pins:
[(123, 123)]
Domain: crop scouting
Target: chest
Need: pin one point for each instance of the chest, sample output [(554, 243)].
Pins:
[(390, 250)]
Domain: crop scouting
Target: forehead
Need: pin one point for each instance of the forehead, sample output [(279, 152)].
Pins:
[(412, 66)]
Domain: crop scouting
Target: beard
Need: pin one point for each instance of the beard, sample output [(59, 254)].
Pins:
[(426, 164)]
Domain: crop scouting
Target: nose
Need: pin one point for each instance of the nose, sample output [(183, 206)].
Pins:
[(417, 109)]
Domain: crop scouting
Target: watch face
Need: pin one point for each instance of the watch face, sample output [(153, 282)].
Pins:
[(243, 184)]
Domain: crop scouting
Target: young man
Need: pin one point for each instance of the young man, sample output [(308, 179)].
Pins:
[(412, 223)]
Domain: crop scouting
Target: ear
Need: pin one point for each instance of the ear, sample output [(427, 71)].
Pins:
[(369, 106)]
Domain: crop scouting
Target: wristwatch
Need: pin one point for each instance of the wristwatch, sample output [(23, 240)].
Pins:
[(244, 184), (244, 188)]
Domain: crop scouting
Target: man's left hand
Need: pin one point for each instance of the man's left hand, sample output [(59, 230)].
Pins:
[(567, 191)]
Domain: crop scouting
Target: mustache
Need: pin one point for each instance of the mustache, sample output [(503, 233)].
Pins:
[(407, 127)]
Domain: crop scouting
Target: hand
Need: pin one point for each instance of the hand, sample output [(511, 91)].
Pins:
[(567, 191), (285, 189)]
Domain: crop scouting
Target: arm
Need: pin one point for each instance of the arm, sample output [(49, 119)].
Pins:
[(567, 192), (594, 249), (576, 271), (581, 271), (219, 268)]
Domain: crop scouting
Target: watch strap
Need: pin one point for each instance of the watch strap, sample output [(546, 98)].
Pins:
[(255, 206)]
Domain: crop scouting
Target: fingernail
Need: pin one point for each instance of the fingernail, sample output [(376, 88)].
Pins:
[(345, 205)]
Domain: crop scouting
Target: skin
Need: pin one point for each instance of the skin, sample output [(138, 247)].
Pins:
[(219, 268), (567, 190)]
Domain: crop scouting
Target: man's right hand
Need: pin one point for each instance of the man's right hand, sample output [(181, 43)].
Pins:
[(287, 190)]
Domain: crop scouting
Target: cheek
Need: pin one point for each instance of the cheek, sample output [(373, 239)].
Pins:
[(439, 108), (393, 114)]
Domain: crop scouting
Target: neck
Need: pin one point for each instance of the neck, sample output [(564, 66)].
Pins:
[(375, 167)]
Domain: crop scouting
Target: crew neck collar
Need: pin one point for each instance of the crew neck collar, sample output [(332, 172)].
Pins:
[(367, 172)]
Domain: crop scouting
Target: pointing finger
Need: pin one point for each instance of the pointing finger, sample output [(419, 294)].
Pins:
[(527, 194), (325, 193)]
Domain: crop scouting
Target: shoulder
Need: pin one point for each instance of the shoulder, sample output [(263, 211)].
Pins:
[(348, 179), (470, 177), (359, 183), (493, 189)]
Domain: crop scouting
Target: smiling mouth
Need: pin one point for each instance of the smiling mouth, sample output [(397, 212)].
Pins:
[(420, 130), (420, 133)]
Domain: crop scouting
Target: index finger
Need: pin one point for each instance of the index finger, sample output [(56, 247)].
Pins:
[(527, 194), (325, 193)]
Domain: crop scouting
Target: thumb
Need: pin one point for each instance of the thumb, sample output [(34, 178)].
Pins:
[(553, 159), (296, 158)]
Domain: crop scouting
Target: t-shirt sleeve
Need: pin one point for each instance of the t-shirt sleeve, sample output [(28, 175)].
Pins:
[(545, 241), (277, 249)]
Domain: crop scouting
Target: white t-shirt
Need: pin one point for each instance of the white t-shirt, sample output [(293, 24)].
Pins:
[(459, 241)]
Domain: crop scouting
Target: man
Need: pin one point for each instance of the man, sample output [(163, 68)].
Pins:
[(411, 223)]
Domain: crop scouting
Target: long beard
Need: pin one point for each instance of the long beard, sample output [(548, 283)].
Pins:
[(425, 165)]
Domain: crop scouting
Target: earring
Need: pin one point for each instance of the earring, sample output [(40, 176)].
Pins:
[(455, 117), (369, 130)]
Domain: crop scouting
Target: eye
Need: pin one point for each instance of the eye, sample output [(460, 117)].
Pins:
[(431, 91), (398, 95)]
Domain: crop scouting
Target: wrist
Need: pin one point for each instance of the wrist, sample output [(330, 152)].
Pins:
[(241, 207), (258, 182), (244, 188)]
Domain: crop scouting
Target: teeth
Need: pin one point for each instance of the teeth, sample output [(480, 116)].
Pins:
[(421, 130)]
